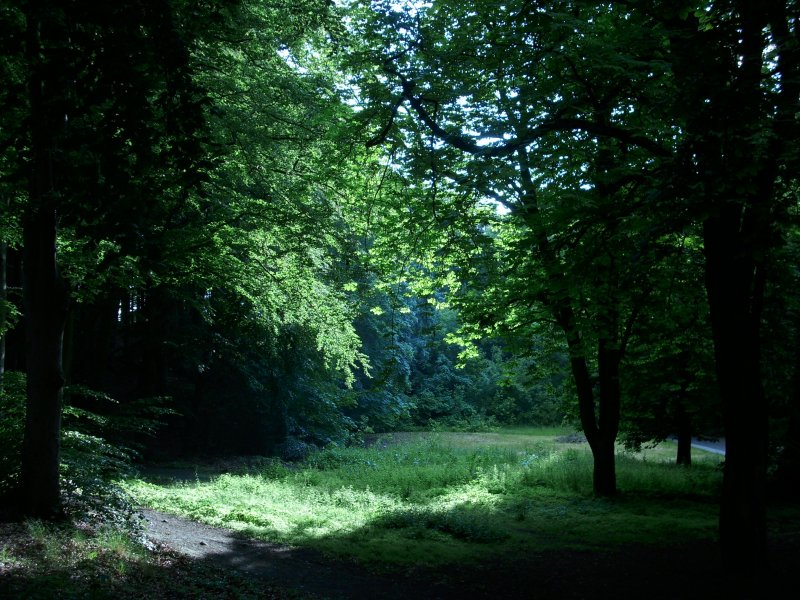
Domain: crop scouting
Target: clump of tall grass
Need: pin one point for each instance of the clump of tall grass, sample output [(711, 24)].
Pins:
[(462, 525), (423, 468), (70, 545), (569, 470), (667, 479)]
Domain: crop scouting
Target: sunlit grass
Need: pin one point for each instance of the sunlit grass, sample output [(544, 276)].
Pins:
[(446, 497)]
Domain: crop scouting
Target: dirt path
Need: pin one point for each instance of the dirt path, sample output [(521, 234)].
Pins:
[(634, 571), (303, 570), (678, 572)]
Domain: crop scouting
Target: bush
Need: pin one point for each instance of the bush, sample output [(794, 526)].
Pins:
[(293, 449)]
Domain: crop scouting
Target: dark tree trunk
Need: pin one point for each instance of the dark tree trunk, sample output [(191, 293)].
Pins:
[(45, 312), (684, 455), (735, 289), (603, 448), (737, 238), (44, 293), (683, 420), (604, 475), (599, 411), (601, 424), (728, 112)]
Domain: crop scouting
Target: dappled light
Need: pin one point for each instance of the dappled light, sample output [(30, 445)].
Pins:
[(445, 498)]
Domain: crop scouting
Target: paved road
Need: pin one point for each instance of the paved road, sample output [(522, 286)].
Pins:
[(715, 446)]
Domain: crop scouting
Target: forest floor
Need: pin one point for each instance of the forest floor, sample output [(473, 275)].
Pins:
[(633, 571)]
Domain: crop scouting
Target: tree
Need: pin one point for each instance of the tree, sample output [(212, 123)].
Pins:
[(735, 66), (529, 108), (103, 134), (694, 106), (670, 387), (235, 287)]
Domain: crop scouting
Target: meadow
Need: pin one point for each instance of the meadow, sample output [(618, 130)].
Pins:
[(408, 499)]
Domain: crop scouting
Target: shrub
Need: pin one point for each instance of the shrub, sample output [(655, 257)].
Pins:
[(293, 449)]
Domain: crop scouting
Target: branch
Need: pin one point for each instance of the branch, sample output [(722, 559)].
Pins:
[(381, 137), (631, 321), (466, 144)]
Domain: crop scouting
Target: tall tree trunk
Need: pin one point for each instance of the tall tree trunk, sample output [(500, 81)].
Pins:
[(601, 424), (44, 293), (45, 316), (605, 475), (738, 237), (735, 289), (737, 171), (600, 429), (3, 300), (684, 454)]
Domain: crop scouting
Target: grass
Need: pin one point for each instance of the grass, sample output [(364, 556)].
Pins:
[(446, 498), (71, 560)]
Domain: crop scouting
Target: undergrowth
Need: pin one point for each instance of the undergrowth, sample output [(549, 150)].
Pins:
[(97, 448), (40, 560)]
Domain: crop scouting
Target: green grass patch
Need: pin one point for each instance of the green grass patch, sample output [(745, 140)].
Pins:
[(441, 498)]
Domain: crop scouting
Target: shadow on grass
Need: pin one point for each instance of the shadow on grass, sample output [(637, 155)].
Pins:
[(683, 569), (32, 570), (177, 578), (168, 475), (218, 563)]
